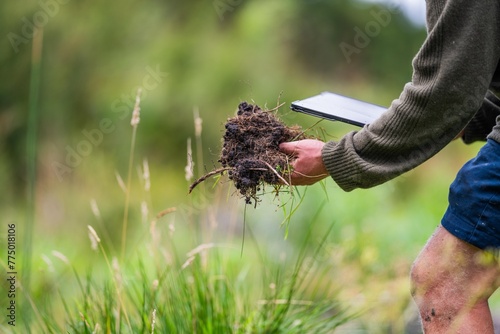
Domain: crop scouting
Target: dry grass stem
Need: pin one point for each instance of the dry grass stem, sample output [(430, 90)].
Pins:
[(206, 176), (285, 301), (146, 175), (200, 249), (165, 212), (277, 107), (310, 176), (134, 122), (153, 321), (94, 238), (120, 182), (48, 262), (198, 122), (60, 256), (188, 262), (95, 208), (152, 227), (277, 174)]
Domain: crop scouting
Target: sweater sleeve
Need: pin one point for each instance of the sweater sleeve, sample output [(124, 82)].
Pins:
[(451, 74), (484, 120)]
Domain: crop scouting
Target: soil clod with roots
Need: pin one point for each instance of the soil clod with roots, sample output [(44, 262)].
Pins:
[(250, 152)]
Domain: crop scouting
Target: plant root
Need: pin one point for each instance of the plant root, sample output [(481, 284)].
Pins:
[(206, 176)]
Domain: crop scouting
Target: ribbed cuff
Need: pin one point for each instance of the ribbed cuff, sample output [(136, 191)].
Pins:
[(337, 162)]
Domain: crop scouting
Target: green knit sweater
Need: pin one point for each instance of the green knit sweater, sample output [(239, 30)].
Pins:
[(456, 75)]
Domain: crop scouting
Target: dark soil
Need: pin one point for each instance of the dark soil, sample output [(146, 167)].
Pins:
[(250, 152)]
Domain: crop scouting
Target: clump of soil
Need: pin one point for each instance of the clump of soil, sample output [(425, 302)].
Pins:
[(250, 151)]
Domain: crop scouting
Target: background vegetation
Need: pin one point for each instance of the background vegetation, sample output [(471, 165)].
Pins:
[(198, 59)]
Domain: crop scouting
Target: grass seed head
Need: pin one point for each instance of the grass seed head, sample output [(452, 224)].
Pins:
[(137, 110), (189, 166), (95, 208), (94, 238)]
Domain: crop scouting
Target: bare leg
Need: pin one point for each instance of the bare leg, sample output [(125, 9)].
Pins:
[(451, 283)]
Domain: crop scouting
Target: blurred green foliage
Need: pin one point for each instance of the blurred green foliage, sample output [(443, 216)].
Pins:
[(205, 55)]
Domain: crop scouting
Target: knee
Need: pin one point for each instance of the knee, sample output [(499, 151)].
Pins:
[(433, 293), (437, 290), (430, 284), (419, 280), (432, 280)]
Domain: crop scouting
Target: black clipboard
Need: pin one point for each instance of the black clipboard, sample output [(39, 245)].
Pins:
[(336, 107)]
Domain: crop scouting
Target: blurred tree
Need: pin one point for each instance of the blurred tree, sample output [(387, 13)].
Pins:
[(216, 53), (352, 41)]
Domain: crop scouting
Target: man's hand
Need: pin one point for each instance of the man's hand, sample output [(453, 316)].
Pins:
[(308, 166)]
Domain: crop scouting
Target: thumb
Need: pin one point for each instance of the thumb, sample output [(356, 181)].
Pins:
[(289, 148)]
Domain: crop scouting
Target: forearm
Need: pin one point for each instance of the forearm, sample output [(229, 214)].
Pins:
[(452, 73)]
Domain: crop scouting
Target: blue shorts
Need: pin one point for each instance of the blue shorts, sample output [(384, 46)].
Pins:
[(473, 214)]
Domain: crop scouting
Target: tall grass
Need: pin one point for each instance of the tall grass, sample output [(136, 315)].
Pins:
[(208, 290), (134, 123), (31, 149)]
